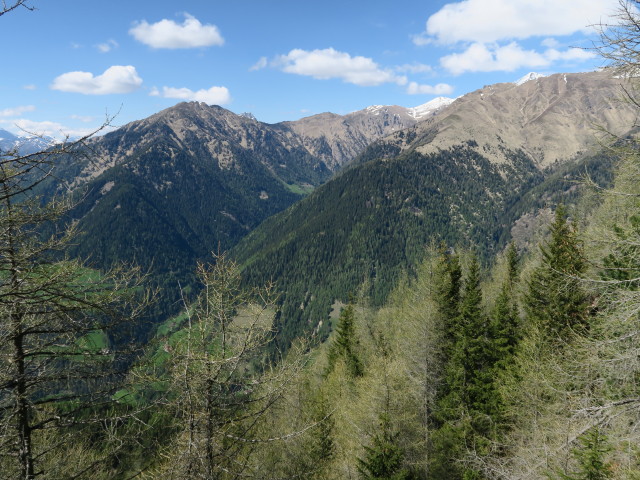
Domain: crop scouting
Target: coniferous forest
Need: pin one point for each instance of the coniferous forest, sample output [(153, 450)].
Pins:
[(446, 349)]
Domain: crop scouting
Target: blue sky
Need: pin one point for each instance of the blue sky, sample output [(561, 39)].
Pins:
[(67, 64)]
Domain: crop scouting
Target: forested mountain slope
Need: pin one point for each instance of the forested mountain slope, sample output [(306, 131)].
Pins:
[(167, 190), (434, 182)]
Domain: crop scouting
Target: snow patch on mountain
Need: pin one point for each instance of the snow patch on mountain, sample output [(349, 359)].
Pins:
[(24, 144), (529, 76), (429, 108), (375, 109)]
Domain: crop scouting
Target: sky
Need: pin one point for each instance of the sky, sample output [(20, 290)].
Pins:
[(68, 64)]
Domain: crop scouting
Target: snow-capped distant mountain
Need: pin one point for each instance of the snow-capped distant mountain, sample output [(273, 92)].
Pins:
[(24, 144), (429, 108), (529, 76)]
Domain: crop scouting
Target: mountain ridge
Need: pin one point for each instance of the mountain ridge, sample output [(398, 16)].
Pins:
[(552, 118), (461, 177)]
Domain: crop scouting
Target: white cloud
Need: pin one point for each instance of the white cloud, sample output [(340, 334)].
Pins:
[(169, 34), (572, 54), (16, 111), (479, 57), (116, 79), (440, 89), (107, 46), (260, 64), (212, 96), (329, 63), (486, 21), (31, 86)]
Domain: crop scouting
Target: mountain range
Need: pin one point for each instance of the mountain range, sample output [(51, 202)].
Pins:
[(463, 177), (379, 184), (24, 144), (167, 190)]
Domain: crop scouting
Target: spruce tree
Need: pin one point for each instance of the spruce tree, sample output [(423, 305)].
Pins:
[(344, 344), (448, 284), (591, 457), (505, 325), (383, 459), (465, 408), (556, 300), (474, 348)]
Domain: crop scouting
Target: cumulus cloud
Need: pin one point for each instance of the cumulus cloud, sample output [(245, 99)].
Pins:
[(489, 33), (212, 96), (572, 54), (16, 111), (329, 63), (440, 89), (169, 34), (107, 46), (116, 79), (487, 21), (479, 57)]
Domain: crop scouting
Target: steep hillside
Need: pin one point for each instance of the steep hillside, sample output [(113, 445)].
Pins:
[(551, 119), (165, 191), (463, 177)]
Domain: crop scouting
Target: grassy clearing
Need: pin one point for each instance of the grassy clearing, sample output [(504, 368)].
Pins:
[(304, 189)]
